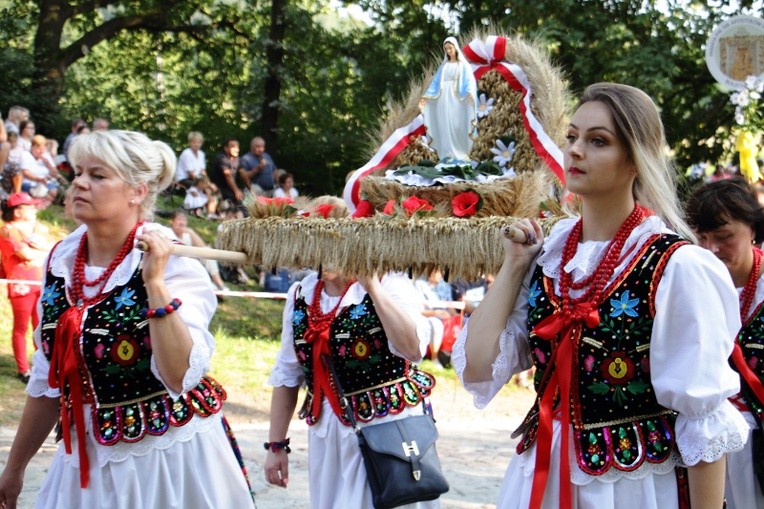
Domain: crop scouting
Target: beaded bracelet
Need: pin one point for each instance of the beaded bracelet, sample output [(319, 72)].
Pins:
[(163, 311), (277, 446)]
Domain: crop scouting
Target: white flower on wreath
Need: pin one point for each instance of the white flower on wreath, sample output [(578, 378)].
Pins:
[(747, 108), (484, 106), (503, 153)]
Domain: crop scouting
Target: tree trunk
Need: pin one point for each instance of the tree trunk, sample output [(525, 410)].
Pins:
[(48, 78), (274, 54)]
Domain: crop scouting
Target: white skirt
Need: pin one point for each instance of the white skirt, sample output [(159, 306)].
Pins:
[(651, 491), (199, 473), (337, 473)]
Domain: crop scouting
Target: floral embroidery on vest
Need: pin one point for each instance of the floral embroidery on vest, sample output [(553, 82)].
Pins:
[(617, 421), (127, 400), (376, 381)]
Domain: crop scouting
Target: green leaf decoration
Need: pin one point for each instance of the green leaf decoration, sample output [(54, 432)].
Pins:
[(599, 388)]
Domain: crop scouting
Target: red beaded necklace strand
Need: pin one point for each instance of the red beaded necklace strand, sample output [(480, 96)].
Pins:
[(79, 281), (597, 281), (317, 320), (749, 290)]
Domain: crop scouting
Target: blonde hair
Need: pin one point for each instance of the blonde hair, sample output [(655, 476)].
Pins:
[(195, 135), (38, 140), (640, 129), (137, 159)]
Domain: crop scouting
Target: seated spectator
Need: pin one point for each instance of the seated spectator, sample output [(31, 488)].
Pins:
[(75, 127), (187, 236), (223, 174), (257, 169), (286, 187), (445, 323), (10, 171), (39, 172), (192, 161), (26, 133), (100, 124), (200, 199), (16, 114)]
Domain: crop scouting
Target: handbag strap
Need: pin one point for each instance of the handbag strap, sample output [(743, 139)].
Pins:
[(347, 408), (345, 405)]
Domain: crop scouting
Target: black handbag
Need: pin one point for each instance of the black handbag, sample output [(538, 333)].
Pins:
[(401, 461)]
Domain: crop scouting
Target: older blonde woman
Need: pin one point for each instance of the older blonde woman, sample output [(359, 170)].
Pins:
[(121, 360)]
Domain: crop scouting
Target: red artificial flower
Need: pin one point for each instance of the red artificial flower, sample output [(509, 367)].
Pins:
[(364, 209), (324, 210), (280, 202), (265, 200), (412, 205), (465, 204), (389, 208)]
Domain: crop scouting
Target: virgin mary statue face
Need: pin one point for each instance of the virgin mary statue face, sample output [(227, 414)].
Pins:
[(450, 51)]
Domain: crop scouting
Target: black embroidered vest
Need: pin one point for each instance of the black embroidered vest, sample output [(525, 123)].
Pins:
[(617, 422), (751, 340), (376, 381), (114, 355)]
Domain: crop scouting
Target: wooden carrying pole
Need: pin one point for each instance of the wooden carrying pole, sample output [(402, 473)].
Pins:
[(204, 253)]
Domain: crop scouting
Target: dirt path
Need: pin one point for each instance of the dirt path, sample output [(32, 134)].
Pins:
[(474, 449)]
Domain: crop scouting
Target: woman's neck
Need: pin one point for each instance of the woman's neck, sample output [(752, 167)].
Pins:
[(336, 286), (601, 220), (104, 243), (742, 272)]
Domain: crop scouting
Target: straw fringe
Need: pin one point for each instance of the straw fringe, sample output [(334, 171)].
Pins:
[(465, 248)]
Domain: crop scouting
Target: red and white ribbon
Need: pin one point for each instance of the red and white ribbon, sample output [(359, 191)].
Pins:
[(489, 55), (393, 146)]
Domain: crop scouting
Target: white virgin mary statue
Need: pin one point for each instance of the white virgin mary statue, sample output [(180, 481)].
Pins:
[(449, 105)]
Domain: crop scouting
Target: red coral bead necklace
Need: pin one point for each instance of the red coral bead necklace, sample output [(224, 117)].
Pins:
[(597, 281), (749, 290), (79, 281)]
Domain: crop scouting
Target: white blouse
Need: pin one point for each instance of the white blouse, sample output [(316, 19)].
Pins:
[(696, 321)]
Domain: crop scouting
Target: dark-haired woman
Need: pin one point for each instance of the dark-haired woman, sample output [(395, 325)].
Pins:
[(729, 221)]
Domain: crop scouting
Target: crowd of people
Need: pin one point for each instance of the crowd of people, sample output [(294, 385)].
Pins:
[(640, 320)]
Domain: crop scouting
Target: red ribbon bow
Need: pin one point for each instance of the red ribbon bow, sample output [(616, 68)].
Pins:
[(319, 338), (559, 326), (64, 369)]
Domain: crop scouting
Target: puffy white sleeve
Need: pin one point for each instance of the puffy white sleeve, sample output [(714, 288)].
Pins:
[(696, 321), (403, 292), (514, 350), (287, 371), (187, 279)]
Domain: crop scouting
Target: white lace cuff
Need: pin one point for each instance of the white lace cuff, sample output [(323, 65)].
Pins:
[(514, 357), (197, 366), (709, 438)]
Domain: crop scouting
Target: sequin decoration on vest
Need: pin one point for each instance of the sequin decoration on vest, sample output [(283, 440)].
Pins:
[(377, 381), (127, 400), (751, 340), (616, 419)]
